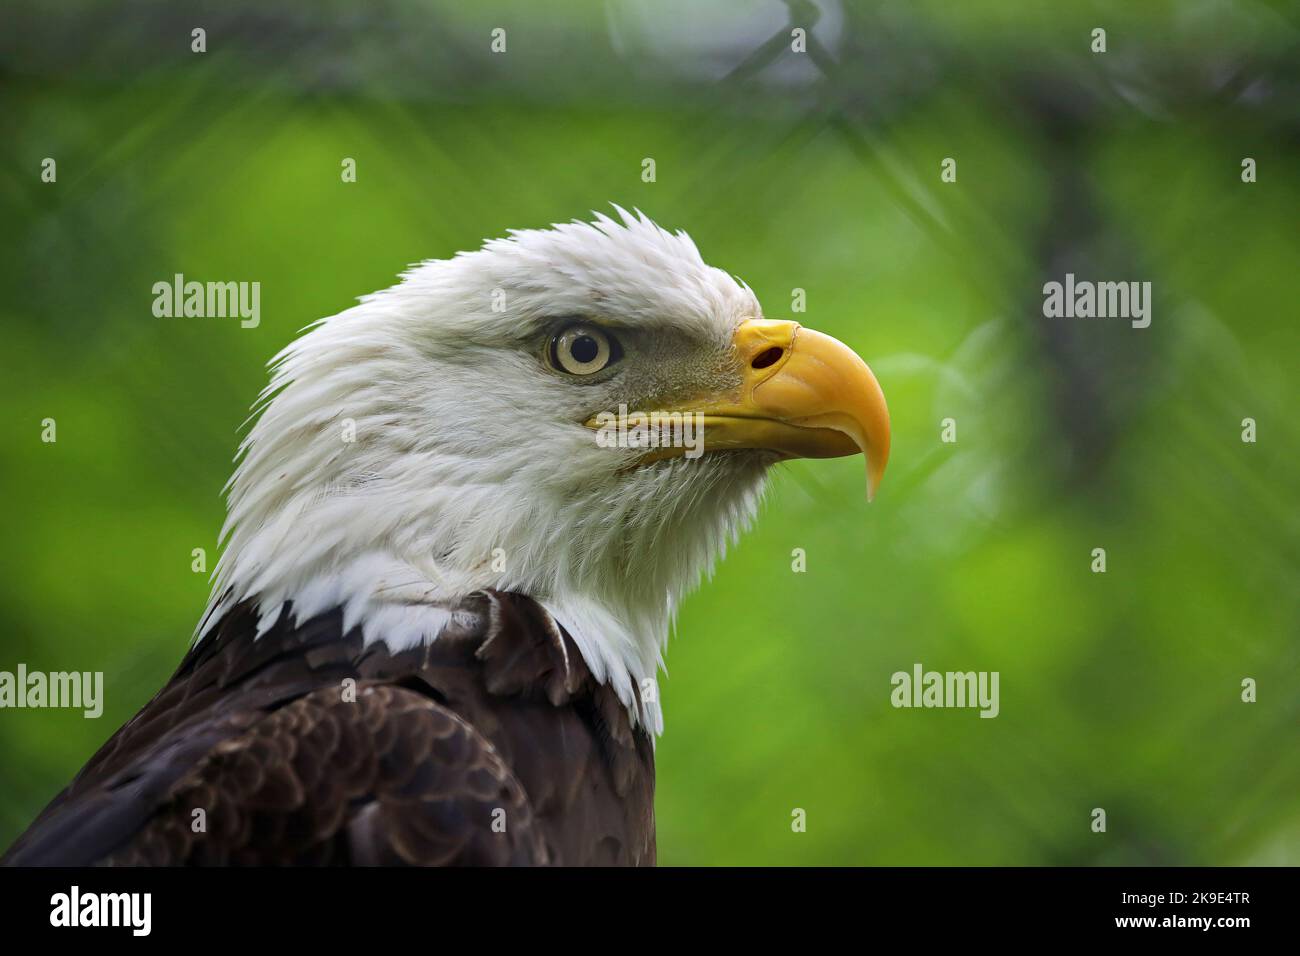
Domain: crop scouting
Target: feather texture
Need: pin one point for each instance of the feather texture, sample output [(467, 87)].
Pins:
[(493, 745)]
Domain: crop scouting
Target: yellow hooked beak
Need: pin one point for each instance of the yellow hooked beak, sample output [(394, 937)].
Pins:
[(802, 394)]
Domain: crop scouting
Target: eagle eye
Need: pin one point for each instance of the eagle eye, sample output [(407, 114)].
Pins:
[(584, 350)]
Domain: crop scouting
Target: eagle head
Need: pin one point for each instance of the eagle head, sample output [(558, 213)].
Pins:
[(584, 414)]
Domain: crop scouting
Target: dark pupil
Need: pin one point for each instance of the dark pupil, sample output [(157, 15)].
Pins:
[(584, 349)]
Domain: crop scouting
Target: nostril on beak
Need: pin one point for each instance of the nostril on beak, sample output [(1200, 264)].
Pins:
[(767, 358)]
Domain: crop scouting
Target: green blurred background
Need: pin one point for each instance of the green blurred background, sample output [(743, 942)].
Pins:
[(817, 171)]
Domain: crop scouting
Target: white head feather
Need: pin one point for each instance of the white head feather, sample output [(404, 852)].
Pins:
[(470, 467)]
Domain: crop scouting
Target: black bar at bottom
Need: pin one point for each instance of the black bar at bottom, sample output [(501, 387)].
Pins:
[(557, 906)]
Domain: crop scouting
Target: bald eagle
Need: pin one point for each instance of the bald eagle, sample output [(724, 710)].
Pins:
[(445, 589)]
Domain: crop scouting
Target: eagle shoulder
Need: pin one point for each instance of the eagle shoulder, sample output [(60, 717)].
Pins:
[(390, 778), (492, 744)]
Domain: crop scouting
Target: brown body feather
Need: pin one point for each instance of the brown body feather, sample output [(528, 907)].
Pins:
[(306, 747)]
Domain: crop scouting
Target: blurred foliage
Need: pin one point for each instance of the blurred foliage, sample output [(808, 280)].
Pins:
[(1118, 690)]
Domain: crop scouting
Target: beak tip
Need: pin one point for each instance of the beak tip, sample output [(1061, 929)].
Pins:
[(874, 474)]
